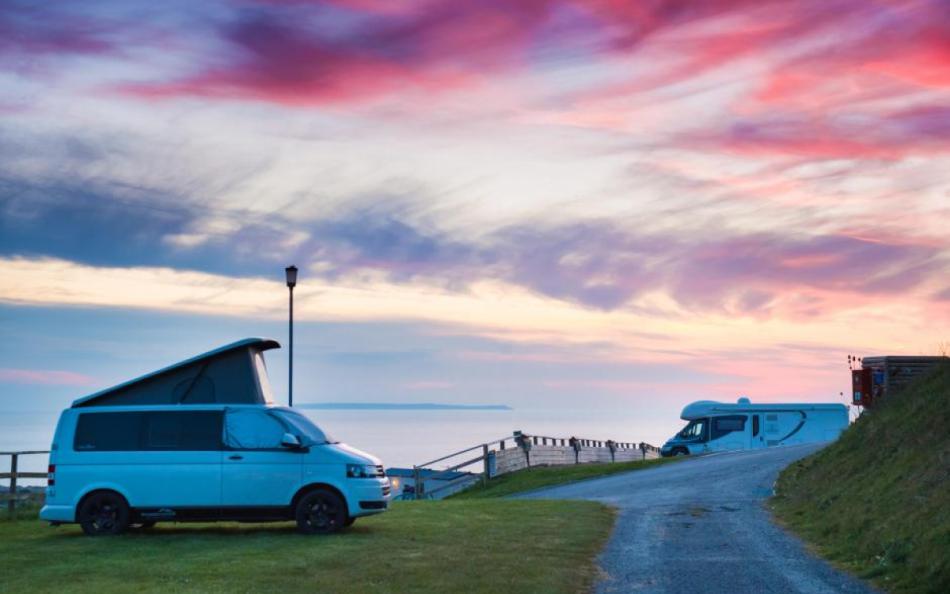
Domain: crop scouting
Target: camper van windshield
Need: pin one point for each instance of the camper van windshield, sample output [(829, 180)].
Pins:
[(304, 427)]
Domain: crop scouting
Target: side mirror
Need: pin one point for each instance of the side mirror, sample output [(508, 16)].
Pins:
[(289, 440)]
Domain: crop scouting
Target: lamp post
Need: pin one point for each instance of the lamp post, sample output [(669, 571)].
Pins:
[(291, 272)]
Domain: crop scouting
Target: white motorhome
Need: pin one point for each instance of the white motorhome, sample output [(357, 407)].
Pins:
[(202, 440), (718, 426)]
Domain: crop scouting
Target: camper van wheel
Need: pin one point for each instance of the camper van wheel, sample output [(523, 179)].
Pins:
[(104, 513), (320, 512), (680, 452)]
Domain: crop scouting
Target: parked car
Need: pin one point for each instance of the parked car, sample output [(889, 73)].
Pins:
[(113, 466), (719, 426)]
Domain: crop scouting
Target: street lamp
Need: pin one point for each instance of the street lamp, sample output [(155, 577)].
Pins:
[(291, 272)]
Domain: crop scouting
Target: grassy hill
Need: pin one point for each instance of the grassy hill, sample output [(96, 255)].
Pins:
[(538, 477), (877, 501)]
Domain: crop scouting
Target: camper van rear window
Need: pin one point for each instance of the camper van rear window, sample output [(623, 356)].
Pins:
[(148, 430)]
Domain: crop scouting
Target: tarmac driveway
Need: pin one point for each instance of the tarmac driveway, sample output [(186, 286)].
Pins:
[(700, 526)]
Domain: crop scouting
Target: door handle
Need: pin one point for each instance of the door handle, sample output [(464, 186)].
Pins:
[(235, 457)]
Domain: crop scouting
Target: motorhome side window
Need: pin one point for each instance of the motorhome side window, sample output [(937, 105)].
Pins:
[(249, 429), (723, 425), (143, 431)]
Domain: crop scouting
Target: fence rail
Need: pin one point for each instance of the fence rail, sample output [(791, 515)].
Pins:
[(14, 474), (551, 449)]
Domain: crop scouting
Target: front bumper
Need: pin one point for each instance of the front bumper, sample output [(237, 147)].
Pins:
[(369, 496)]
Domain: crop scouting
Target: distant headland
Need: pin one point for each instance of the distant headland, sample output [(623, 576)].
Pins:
[(399, 406)]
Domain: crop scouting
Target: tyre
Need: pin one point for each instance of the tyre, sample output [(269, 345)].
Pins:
[(680, 452), (104, 513), (349, 521), (320, 512)]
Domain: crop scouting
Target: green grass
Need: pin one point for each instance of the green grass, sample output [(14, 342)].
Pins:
[(547, 476), (419, 547), (474, 542), (877, 501)]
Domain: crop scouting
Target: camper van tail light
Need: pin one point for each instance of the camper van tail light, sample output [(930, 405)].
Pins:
[(51, 475)]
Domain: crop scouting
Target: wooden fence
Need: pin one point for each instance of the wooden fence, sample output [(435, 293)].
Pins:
[(15, 474), (520, 451)]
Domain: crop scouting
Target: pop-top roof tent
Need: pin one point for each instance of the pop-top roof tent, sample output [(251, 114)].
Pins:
[(232, 374), (710, 408)]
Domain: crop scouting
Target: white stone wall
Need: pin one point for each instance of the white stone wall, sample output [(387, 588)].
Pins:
[(512, 459)]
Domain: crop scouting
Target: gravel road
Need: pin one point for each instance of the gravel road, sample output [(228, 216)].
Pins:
[(700, 526)]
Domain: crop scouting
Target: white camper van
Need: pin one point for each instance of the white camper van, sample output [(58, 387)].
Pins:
[(202, 440), (719, 426)]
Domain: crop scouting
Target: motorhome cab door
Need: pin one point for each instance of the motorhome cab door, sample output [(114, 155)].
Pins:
[(257, 471)]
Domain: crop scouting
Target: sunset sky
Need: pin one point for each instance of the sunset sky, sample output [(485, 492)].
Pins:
[(537, 203)]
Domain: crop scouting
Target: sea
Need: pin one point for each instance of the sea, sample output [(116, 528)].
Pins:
[(401, 438)]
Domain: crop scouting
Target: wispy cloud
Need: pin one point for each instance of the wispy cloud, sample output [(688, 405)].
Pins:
[(693, 181), (29, 29), (45, 377), (597, 263), (421, 385)]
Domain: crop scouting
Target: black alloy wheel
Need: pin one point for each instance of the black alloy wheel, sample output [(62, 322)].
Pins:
[(320, 512), (104, 513)]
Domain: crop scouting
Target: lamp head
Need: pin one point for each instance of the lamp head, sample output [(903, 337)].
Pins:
[(291, 272)]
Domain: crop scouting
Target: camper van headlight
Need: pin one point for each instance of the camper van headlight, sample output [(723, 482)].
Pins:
[(360, 471)]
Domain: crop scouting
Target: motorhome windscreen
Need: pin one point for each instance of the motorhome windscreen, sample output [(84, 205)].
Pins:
[(304, 427), (694, 430)]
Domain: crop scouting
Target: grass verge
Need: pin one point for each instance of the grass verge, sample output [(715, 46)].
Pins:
[(419, 547), (877, 501), (548, 476)]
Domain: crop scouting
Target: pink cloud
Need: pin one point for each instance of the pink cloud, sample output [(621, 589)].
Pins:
[(31, 30), (45, 377), (281, 60), (870, 135)]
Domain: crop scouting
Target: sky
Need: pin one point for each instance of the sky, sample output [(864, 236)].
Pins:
[(545, 203)]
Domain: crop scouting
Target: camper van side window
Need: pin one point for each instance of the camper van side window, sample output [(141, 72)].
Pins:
[(108, 432), (186, 431), (250, 429)]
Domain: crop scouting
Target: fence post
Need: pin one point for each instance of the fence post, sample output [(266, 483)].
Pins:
[(485, 476), (417, 479), (11, 505)]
